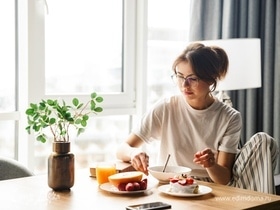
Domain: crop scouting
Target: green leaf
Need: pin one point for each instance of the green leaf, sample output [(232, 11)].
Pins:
[(36, 127), (41, 138), (33, 106), (50, 102), (42, 106), (75, 101), (29, 111), (78, 121), (52, 121), (78, 107), (80, 130), (99, 99), (93, 95), (70, 120), (84, 123), (92, 105), (28, 129), (85, 117), (36, 116), (98, 109)]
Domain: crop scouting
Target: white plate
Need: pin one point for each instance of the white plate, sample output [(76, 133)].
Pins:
[(112, 189), (203, 190)]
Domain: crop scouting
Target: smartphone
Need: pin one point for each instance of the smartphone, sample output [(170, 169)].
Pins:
[(149, 206)]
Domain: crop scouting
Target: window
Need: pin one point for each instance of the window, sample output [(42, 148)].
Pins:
[(83, 46), (8, 114), (74, 52), (167, 38), (55, 58)]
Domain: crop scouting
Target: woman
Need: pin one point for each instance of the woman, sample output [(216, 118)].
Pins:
[(197, 129)]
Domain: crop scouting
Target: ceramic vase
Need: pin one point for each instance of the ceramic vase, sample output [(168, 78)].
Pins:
[(61, 165)]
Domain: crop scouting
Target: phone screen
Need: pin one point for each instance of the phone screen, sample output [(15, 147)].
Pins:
[(149, 206)]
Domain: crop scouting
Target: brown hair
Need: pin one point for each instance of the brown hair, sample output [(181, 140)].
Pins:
[(209, 63)]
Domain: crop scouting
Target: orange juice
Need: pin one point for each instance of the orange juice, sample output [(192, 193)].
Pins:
[(103, 170)]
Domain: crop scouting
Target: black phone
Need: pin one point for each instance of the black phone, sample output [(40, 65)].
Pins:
[(149, 206)]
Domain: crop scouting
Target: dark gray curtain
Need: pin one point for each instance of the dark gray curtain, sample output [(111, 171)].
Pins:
[(222, 19)]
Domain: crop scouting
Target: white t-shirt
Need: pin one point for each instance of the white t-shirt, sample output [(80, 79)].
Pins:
[(182, 130)]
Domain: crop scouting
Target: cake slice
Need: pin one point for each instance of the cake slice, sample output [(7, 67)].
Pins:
[(183, 184)]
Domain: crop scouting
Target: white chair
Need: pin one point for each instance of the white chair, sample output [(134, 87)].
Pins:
[(11, 169)]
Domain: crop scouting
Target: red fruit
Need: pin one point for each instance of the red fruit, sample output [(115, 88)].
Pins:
[(173, 180), (136, 186), (129, 187), (143, 185), (121, 187), (190, 180), (145, 180)]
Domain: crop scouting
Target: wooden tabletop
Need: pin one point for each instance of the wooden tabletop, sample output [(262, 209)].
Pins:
[(33, 193)]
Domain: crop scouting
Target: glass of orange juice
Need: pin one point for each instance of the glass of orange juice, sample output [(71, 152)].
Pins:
[(104, 170)]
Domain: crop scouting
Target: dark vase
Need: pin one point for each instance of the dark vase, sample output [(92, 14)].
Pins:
[(61, 167)]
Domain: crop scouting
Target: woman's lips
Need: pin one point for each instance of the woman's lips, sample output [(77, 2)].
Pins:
[(187, 92)]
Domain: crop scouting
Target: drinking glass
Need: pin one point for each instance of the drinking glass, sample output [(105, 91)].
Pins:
[(104, 170)]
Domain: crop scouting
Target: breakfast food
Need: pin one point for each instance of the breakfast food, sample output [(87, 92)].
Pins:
[(125, 177), (133, 186), (183, 184), (129, 181)]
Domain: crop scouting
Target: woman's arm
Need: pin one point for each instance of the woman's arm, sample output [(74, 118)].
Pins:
[(130, 151), (219, 170)]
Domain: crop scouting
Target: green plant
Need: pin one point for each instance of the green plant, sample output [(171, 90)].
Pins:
[(59, 117)]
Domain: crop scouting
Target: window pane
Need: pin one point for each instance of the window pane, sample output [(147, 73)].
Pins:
[(83, 46), (7, 138), (7, 78), (7, 54), (166, 33)]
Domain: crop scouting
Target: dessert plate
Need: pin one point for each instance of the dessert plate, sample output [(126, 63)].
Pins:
[(203, 190), (112, 189)]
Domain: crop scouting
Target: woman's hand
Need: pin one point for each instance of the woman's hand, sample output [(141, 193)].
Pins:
[(220, 168), (205, 158), (140, 161)]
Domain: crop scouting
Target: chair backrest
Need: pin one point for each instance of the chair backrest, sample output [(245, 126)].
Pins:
[(11, 169)]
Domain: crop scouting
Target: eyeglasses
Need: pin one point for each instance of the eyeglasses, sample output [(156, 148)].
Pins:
[(189, 81)]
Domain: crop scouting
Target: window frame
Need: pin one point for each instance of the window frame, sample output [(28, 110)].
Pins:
[(124, 102), (31, 85)]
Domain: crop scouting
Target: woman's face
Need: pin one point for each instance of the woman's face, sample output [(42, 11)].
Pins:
[(194, 89)]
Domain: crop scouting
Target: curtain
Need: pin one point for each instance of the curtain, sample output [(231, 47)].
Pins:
[(223, 19)]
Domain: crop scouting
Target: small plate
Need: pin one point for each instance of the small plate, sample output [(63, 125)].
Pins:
[(203, 190), (112, 189)]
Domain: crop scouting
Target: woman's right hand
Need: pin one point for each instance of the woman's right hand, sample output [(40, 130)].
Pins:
[(140, 161)]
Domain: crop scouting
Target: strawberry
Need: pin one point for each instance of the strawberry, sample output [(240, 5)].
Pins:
[(173, 180), (189, 180)]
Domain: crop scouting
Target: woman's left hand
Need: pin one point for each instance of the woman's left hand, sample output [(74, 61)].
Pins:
[(205, 158)]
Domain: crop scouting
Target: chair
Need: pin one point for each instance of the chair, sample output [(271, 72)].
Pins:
[(255, 164), (11, 169)]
